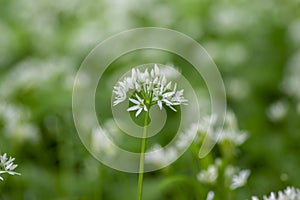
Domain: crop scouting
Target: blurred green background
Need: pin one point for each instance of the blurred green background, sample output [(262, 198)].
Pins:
[(255, 44)]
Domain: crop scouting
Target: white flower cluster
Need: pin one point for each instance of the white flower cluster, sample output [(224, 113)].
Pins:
[(210, 175), (17, 123), (210, 195), (161, 156), (145, 89), (34, 73), (7, 166), (237, 178), (234, 177), (230, 132), (290, 193), (103, 139)]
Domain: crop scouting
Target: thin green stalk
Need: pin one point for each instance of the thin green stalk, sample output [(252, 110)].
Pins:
[(142, 158)]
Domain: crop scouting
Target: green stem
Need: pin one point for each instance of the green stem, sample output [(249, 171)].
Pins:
[(142, 158)]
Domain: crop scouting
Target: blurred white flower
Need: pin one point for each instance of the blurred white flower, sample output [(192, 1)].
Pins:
[(186, 138), (7, 166), (210, 175), (100, 142), (17, 123), (159, 156), (235, 177), (237, 88), (240, 179), (210, 195), (230, 131), (284, 177), (35, 73), (277, 111), (290, 193), (228, 18), (149, 88), (230, 171)]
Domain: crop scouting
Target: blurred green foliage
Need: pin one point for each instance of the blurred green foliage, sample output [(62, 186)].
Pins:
[(255, 45)]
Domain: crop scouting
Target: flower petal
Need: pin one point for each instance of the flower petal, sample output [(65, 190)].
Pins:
[(138, 112), (134, 101), (132, 108)]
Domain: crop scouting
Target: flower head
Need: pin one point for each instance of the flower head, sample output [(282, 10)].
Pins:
[(290, 193), (230, 131), (7, 166), (147, 89), (210, 195), (240, 179), (210, 175)]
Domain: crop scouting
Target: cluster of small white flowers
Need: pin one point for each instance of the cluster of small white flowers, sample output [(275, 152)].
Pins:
[(103, 139), (237, 88), (17, 123), (187, 137), (240, 179), (7, 166), (34, 73), (230, 131), (210, 175), (100, 142), (290, 193), (229, 15), (160, 156), (234, 177), (149, 88)]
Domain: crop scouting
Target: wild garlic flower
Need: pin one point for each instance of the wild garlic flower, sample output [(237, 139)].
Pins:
[(160, 156), (290, 193), (210, 195), (210, 175), (236, 178), (145, 89), (7, 166), (230, 132), (239, 179)]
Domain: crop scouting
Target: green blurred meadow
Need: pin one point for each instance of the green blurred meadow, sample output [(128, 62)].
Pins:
[(255, 44)]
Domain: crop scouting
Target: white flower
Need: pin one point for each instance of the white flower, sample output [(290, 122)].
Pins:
[(211, 174), (139, 105), (185, 139), (240, 179), (230, 131), (146, 89), (7, 166), (17, 123), (290, 193), (210, 195), (100, 142), (160, 156)]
